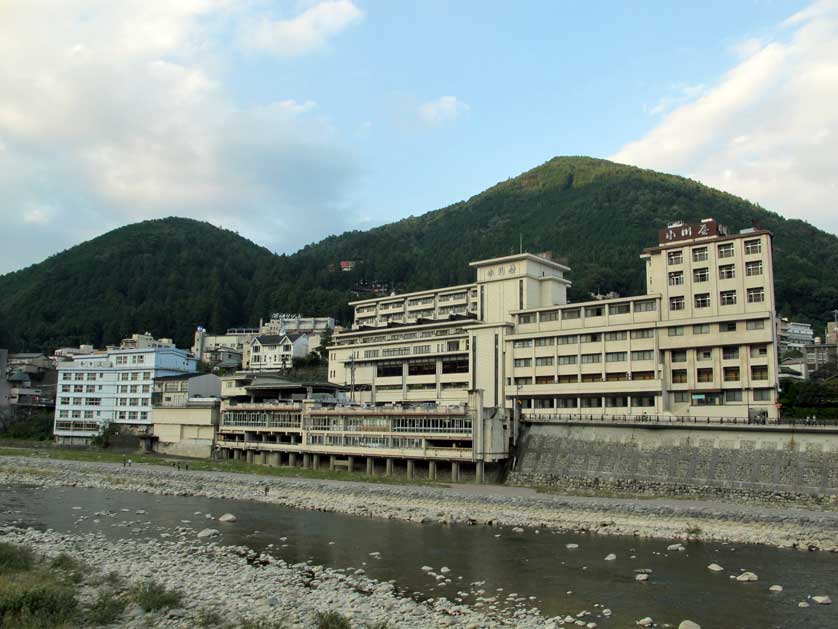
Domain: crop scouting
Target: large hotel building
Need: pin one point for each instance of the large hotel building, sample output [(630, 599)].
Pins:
[(699, 343)]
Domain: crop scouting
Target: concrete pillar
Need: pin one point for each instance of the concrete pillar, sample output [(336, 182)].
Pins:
[(478, 472), (411, 464), (389, 468), (332, 463), (455, 472), (431, 470), (293, 440), (276, 459), (292, 459), (264, 460), (306, 460), (315, 461), (351, 465), (250, 456), (237, 455), (370, 466)]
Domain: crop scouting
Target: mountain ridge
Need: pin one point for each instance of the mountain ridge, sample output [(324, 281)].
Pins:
[(169, 275)]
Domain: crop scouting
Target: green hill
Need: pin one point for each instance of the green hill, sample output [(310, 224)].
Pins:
[(168, 276)]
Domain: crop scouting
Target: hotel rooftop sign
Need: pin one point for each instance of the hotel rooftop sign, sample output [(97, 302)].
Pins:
[(685, 231)]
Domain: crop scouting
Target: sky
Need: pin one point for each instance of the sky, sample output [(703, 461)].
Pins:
[(288, 121)]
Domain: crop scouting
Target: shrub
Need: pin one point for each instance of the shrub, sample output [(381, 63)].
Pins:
[(15, 558), (209, 618), (261, 623), (36, 600), (332, 620), (152, 596), (106, 609)]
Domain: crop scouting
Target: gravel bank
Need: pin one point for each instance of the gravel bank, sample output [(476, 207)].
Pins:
[(491, 505)]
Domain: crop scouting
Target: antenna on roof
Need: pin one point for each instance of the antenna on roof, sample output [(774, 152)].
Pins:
[(520, 243)]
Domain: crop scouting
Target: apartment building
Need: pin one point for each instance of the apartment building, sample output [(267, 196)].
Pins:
[(112, 386), (793, 335), (701, 342), (185, 415)]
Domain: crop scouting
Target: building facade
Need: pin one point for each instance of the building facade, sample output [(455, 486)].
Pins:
[(185, 415), (701, 342), (275, 352), (794, 336), (112, 386)]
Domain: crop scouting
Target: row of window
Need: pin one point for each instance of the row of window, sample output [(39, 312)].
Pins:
[(730, 374), (714, 398), (618, 376), (724, 250), (648, 305), (126, 375), (136, 359), (755, 295), (726, 272), (728, 353), (610, 357)]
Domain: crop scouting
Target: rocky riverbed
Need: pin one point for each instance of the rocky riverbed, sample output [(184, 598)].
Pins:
[(483, 505)]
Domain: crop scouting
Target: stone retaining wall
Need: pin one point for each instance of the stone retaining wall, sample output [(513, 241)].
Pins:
[(676, 459)]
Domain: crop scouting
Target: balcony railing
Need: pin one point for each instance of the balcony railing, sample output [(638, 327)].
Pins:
[(673, 419)]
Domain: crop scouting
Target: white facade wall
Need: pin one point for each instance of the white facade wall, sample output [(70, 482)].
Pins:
[(112, 386)]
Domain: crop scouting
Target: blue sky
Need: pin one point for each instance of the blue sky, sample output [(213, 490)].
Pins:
[(288, 121)]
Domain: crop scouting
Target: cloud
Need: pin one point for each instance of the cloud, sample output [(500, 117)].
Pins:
[(118, 112), (440, 111), (308, 32), (768, 130), (681, 95)]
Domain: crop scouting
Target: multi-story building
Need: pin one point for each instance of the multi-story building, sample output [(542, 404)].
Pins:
[(4, 384), (700, 342), (832, 331), (820, 355), (185, 414), (272, 352), (240, 339), (112, 386), (793, 335)]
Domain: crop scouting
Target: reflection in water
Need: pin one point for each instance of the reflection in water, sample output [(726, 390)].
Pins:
[(528, 565)]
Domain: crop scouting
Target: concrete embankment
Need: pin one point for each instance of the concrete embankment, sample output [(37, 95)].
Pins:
[(464, 504)]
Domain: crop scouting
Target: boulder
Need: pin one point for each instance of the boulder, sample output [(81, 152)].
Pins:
[(641, 577), (678, 547), (645, 622), (610, 557), (775, 588), (208, 533), (227, 517), (714, 567), (747, 576), (689, 624), (571, 546), (822, 600), (803, 604)]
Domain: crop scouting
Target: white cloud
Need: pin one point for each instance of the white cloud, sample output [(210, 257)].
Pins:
[(304, 33), (118, 112), (768, 130), (681, 94), (444, 109)]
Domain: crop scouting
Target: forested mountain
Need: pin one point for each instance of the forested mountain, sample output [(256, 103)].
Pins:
[(167, 276)]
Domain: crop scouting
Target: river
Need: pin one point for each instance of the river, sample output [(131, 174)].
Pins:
[(535, 566)]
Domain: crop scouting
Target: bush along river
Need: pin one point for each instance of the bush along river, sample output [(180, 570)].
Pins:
[(284, 565)]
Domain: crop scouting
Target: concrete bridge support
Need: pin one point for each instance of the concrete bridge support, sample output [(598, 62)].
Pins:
[(455, 472), (431, 470)]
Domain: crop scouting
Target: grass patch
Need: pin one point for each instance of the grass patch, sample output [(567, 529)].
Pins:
[(153, 596), (36, 598), (332, 620), (261, 623), (15, 558), (106, 609), (209, 618)]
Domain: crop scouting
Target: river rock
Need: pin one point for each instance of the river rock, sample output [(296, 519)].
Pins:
[(678, 547), (803, 604), (641, 577), (714, 567), (822, 600), (689, 624), (747, 576), (610, 557), (227, 517), (775, 588), (208, 533), (571, 546), (645, 622)]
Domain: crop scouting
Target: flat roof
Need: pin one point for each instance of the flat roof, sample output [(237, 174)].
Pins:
[(521, 256), (691, 242), (413, 294)]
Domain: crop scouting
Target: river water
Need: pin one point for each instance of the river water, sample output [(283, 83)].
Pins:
[(529, 564)]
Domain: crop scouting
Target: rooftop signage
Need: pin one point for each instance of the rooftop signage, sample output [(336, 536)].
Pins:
[(685, 231)]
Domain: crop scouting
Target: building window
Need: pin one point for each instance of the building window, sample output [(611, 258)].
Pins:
[(679, 356), (522, 362), (545, 361), (762, 395), (700, 254), (643, 334), (567, 340), (588, 359), (594, 311), (570, 360), (676, 278), (618, 309), (726, 250), (759, 372), (573, 313), (702, 300), (753, 246), (675, 257), (681, 397), (421, 367), (753, 268), (727, 298), (727, 326), (676, 303), (701, 275), (733, 396), (523, 343), (66, 376), (731, 374), (643, 401), (727, 271), (704, 354), (546, 341), (615, 357), (677, 330), (759, 351), (730, 353), (755, 324), (568, 379), (703, 328), (645, 306), (616, 336), (679, 376), (591, 338), (756, 295), (645, 354), (523, 319), (642, 375), (590, 402), (552, 315), (616, 401), (705, 374)]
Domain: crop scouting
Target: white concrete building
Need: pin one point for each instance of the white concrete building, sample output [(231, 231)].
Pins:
[(112, 386), (273, 352), (700, 343), (794, 335)]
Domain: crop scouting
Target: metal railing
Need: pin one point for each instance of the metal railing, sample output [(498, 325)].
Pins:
[(674, 419)]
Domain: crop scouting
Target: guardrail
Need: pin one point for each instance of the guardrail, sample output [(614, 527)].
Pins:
[(674, 419)]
